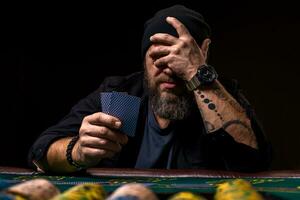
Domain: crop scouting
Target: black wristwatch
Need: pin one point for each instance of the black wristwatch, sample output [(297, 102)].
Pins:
[(206, 75)]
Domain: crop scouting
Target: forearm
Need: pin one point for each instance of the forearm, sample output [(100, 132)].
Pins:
[(220, 110), (55, 159)]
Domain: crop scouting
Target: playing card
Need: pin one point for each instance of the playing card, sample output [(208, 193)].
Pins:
[(105, 101), (123, 106)]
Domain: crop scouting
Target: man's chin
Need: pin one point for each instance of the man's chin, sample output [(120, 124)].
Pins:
[(167, 94)]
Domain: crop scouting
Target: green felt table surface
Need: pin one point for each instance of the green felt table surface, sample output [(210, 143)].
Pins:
[(273, 185)]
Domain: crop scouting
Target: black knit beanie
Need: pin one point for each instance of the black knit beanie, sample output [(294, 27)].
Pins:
[(192, 20)]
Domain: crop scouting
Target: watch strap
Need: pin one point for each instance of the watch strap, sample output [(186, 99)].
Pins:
[(205, 75), (193, 84)]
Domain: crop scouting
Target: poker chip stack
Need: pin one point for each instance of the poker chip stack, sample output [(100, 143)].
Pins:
[(186, 196), (36, 189), (132, 191), (238, 189), (88, 191)]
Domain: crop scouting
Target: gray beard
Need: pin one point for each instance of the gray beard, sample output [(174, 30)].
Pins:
[(172, 106)]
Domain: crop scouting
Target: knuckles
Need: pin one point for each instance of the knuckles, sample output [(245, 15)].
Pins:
[(175, 50), (103, 142), (86, 119), (103, 130), (164, 36), (101, 152), (188, 41)]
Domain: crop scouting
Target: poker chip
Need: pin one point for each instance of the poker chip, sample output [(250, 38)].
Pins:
[(88, 191), (132, 191), (186, 196), (43, 189), (238, 189), (35, 189)]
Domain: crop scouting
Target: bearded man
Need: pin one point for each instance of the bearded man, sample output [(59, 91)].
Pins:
[(188, 116)]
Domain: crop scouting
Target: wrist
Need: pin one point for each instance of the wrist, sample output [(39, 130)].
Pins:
[(70, 154), (205, 76), (191, 74)]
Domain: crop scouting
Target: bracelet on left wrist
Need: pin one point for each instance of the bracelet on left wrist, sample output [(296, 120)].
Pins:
[(69, 154)]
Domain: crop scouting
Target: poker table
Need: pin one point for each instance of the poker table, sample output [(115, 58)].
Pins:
[(273, 185)]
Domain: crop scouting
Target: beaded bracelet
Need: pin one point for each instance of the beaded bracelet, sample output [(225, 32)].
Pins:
[(69, 153)]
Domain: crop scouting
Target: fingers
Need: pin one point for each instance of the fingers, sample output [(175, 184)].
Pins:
[(103, 119), (163, 62), (100, 143), (167, 39), (88, 151), (163, 38), (105, 133), (158, 51), (180, 28), (89, 155), (99, 139)]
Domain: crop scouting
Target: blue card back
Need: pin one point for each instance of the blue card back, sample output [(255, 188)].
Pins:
[(123, 106)]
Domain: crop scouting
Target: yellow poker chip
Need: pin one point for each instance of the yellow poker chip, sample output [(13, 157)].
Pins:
[(238, 189), (88, 191), (186, 196), (237, 183), (239, 195)]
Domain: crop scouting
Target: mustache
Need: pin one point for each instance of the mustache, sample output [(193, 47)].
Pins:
[(171, 79)]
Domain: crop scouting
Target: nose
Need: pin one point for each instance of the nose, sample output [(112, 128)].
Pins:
[(168, 71)]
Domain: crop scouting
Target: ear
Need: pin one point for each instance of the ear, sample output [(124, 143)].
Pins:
[(205, 47)]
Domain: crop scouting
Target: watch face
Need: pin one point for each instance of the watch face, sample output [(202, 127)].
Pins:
[(207, 75)]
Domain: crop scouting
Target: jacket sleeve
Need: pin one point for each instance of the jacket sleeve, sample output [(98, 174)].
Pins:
[(68, 126), (237, 156)]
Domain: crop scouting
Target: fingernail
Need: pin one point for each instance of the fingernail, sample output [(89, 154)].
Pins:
[(117, 124)]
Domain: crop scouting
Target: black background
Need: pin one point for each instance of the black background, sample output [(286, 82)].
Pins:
[(53, 54)]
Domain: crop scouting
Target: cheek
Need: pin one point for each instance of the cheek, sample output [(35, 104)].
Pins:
[(150, 80), (152, 70)]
